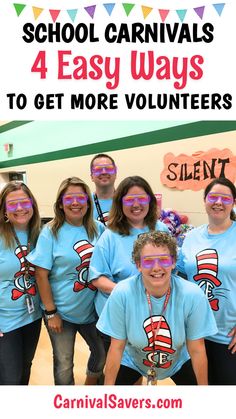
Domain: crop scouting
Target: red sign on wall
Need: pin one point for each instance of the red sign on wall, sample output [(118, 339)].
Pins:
[(196, 171)]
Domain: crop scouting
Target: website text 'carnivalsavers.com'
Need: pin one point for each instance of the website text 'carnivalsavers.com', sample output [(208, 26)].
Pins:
[(112, 401)]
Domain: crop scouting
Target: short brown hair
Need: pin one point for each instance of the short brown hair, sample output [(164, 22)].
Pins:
[(156, 238), (100, 156)]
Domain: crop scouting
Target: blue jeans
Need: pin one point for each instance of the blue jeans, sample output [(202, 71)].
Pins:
[(63, 351), (17, 349)]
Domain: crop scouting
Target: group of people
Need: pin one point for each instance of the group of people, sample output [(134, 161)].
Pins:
[(107, 268)]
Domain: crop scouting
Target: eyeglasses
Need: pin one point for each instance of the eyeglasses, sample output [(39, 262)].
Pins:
[(109, 169), (164, 261), (25, 203), (225, 199), (79, 198), (142, 199)]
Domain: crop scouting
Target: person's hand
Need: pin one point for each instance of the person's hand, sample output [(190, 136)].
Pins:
[(232, 345), (55, 324)]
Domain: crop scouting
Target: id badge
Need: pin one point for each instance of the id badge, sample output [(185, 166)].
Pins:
[(151, 377), (30, 304)]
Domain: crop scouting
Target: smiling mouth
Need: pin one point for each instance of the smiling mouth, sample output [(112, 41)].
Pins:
[(104, 177), (76, 209), (160, 275), (20, 214)]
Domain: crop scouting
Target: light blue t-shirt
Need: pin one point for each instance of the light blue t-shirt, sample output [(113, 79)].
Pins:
[(67, 257), (126, 315), (112, 257), (209, 260), (14, 287), (105, 205)]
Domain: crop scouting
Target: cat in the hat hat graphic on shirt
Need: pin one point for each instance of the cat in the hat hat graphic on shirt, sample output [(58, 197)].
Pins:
[(23, 284), (207, 265), (84, 249), (160, 347)]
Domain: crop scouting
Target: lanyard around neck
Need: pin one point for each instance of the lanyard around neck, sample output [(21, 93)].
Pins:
[(99, 210)]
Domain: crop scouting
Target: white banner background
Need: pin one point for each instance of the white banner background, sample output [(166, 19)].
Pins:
[(38, 402), (17, 58)]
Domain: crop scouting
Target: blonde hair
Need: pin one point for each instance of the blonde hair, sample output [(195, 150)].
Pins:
[(59, 217), (5, 226)]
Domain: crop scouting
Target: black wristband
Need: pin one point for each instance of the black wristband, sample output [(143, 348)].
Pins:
[(48, 313)]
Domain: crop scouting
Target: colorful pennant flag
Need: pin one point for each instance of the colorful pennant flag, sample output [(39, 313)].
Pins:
[(90, 10), (199, 11), (54, 14), (19, 8), (37, 12), (181, 13), (163, 14), (72, 13), (128, 7), (109, 7), (219, 7), (146, 11)]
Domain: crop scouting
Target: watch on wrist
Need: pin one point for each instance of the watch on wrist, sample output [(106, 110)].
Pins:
[(49, 316), (50, 311)]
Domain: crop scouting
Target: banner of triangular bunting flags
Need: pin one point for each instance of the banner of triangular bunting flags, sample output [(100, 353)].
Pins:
[(109, 7)]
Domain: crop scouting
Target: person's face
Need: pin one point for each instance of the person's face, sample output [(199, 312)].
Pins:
[(135, 205), (74, 204), (218, 203), (156, 265), (19, 209), (103, 172)]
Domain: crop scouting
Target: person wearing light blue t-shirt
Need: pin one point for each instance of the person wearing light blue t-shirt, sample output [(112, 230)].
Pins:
[(20, 312), (101, 208), (208, 259), (133, 213), (103, 173), (157, 321), (62, 258)]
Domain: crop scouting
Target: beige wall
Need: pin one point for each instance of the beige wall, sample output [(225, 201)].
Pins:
[(44, 178)]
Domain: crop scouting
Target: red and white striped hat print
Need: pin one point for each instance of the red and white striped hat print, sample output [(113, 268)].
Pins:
[(207, 265), (163, 341)]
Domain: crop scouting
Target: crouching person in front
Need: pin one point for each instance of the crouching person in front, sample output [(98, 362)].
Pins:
[(157, 321)]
